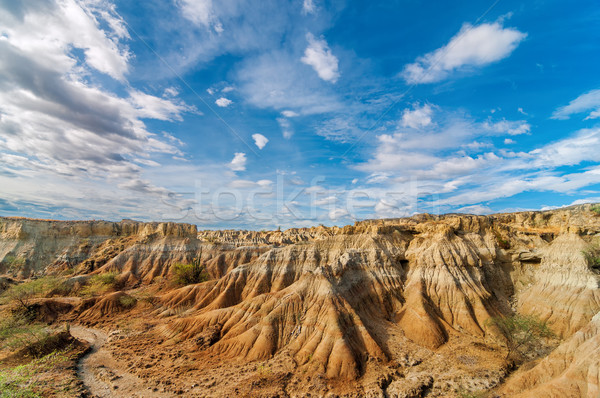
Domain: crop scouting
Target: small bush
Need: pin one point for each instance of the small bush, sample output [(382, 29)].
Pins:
[(127, 301), (522, 333), (592, 256), (146, 297), (13, 263), (596, 209), (17, 332), (188, 274), (23, 293), (503, 243), (99, 284)]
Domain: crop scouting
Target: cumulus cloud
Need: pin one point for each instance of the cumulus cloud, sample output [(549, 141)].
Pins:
[(418, 117), (589, 101), (239, 162), (260, 140), (473, 46), (319, 56), (223, 102)]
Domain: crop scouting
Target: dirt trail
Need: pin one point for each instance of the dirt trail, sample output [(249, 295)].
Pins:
[(101, 373)]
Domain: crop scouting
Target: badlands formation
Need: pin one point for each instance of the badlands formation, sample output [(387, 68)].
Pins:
[(382, 308)]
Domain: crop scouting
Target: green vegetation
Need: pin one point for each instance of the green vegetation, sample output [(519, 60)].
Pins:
[(127, 301), (99, 284), (503, 243), (22, 294), (523, 333), (17, 332), (146, 296), (188, 274), (24, 381), (14, 263), (596, 209), (592, 256)]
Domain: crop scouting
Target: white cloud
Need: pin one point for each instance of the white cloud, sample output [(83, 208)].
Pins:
[(583, 146), (589, 101), (288, 113), (286, 127), (475, 209), (54, 30), (171, 92), (153, 107), (227, 89), (516, 127), (308, 7), (586, 200), (418, 117), (277, 80), (260, 140), (339, 128), (473, 46), (223, 102), (319, 56), (445, 177), (201, 12), (78, 139), (239, 162), (336, 214), (508, 141)]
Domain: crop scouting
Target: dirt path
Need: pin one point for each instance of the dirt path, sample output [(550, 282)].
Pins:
[(101, 373)]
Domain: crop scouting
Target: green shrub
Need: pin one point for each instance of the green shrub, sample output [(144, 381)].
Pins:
[(188, 274), (22, 294), (127, 301), (592, 256), (14, 263), (17, 332), (596, 209), (503, 243), (146, 297), (99, 284), (522, 333)]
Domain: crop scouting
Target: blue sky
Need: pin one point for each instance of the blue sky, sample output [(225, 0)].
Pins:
[(264, 114)]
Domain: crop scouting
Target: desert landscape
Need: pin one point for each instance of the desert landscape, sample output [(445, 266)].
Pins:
[(299, 198), (505, 305)]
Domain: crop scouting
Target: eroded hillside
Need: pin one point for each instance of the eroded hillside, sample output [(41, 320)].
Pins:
[(397, 308)]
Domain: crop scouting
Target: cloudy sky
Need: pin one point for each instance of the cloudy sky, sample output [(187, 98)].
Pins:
[(273, 113)]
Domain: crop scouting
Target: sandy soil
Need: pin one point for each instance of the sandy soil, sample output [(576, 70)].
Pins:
[(101, 373)]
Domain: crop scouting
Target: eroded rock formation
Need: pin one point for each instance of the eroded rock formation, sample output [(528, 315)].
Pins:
[(399, 307)]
